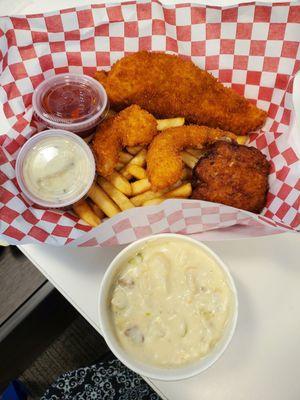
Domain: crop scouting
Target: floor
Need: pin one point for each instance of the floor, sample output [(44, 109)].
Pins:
[(78, 346), (18, 280)]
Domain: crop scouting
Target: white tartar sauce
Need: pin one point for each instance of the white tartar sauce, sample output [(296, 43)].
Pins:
[(56, 169), (170, 303)]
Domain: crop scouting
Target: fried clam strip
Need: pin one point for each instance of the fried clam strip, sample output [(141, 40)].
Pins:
[(131, 127), (164, 161), (169, 86)]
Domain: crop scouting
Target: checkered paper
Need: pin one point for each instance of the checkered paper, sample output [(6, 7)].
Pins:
[(254, 48)]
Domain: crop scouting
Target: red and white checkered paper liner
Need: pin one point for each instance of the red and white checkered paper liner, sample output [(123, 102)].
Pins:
[(253, 48)]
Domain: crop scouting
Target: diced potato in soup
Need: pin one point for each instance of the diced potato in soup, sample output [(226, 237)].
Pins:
[(170, 303)]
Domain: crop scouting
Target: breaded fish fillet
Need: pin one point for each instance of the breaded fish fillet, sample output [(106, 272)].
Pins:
[(164, 162), (232, 174), (131, 127), (168, 86)]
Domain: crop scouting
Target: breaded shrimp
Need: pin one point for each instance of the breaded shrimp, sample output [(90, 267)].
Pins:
[(168, 86), (164, 162), (131, 127)]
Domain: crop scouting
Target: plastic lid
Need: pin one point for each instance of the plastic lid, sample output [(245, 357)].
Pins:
[(55, 168), (70, 102)]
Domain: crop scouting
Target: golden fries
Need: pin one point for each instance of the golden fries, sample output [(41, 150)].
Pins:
[(140, 186), (104, 202), (242, 139), (169, 123), (139, 159), (141, 198), (119, 166), (120, 182), (195, 152), (183, 191), (136, 171), (125, 157), (118, 197), (188, 159), (100, 214), (84, 211), (134, 149), (154, 202)]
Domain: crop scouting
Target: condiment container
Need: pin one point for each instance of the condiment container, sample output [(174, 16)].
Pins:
[(55, 168), (72, 102)]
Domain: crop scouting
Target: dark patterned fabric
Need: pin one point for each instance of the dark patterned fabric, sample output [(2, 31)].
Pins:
[(106, 380)]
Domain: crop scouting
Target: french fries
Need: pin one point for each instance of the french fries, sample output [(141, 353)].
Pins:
[(136, 171), (242, 139), (104, 202), (140, 186), (119, 166), (134, 149), (188, 159), (125, 157), (100, 214), (195, 152), (85, 212), (120, 182), (154, 202), (169, 123), (141, 198), (184, 191), (139, 159), (118, 197)]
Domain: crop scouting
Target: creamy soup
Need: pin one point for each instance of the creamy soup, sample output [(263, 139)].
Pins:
[(170, 303)]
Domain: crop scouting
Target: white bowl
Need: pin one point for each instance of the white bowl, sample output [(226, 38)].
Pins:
[(151, 371)]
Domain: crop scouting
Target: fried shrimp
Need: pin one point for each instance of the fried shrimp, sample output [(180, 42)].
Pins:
[(131, 127), (164, 162)]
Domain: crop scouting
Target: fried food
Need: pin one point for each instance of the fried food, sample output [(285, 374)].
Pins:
[(164, 161), (182, 192), (140, 186), (163, 124), (232, 174), (103, 201), (168, 86), (85, 212), (120, 182), (115, 194), (139, 159), (131, 127)]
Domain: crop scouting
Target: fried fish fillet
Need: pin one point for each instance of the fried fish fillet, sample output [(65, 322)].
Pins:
[(169, 86), (131, 127), (164, 162), (232, 174)]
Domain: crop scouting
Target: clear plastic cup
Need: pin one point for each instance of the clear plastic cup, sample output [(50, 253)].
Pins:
[(55, 168), (71, 102)]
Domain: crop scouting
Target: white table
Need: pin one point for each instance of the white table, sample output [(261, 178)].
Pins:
[(263, 360)]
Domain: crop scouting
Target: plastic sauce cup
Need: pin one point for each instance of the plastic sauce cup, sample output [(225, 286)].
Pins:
[(72, 102), (55, 168)]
